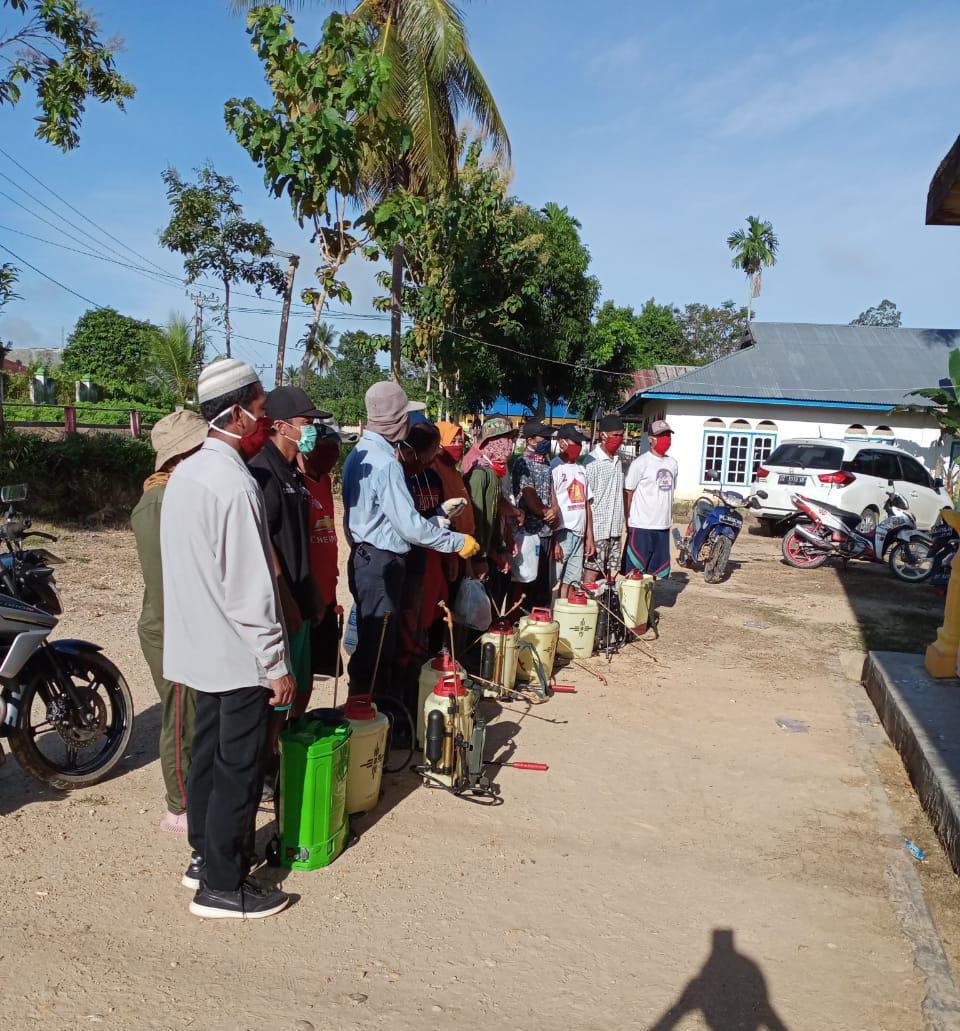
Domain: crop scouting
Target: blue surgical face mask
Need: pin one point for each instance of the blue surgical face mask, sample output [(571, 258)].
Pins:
[(543, 448), (308, 439)]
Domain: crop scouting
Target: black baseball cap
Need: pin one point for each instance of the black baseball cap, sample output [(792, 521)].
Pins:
[(286, 403), (611, 424), (571, 432), (537, 429)]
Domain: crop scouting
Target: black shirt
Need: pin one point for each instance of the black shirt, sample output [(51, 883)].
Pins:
[(287, 503), (426, 489)]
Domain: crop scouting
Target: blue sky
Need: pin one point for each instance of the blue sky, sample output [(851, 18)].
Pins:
[(661, 127)]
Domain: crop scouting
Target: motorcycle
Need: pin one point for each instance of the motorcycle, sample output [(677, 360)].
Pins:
[(925, 556), (65, 709), (714, 526), (830, 531)]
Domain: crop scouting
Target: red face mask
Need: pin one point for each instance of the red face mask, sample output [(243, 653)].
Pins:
[(455, 451), (500, 468), (252, 443), (573, 452), (661, 444), (612, 444)]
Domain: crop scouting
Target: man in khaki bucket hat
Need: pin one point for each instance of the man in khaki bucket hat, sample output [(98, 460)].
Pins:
[(174, 437)]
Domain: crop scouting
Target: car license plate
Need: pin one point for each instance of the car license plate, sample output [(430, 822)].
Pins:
[(793, 481)]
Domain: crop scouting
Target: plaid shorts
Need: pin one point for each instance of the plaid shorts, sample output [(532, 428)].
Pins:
[(606, 560)]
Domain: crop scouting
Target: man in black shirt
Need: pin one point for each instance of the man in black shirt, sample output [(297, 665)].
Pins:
[(287, 503)]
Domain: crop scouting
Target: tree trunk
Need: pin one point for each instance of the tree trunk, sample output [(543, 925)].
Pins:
[(541, 397), (226, 313), (396, 284)]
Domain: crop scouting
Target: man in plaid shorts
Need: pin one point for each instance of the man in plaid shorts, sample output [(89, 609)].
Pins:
[(605, 490)]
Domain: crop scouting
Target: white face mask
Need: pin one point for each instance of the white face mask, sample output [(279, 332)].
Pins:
[(227, 433)]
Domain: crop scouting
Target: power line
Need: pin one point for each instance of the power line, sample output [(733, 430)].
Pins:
[(56, 282), (86, 218)]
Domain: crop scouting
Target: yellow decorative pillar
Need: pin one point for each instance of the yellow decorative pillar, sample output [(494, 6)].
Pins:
[(941, 658)]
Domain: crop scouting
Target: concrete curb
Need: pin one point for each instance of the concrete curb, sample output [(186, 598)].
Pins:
[(922, 718)]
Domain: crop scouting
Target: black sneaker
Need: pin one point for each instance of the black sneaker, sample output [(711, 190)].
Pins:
[(250, 902), (194, 872)]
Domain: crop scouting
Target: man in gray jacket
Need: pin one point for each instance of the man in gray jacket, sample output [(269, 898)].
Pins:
[(224, 637)]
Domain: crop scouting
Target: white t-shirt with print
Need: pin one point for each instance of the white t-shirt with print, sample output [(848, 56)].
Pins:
[(570, 483), (653, 480)]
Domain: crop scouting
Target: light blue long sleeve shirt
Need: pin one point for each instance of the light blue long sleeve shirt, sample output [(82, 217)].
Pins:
[(379, 510)]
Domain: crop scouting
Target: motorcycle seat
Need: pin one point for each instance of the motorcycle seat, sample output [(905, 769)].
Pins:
[(849, 519)]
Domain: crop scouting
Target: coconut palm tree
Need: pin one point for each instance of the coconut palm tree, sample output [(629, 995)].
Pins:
[(754, 249), (171, 361), (318, 353), (434, 82)]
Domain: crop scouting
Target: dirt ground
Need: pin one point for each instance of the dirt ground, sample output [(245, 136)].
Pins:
[(686, 862)]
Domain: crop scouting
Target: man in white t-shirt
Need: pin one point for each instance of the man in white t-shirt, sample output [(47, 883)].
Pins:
[(648, 499), (573, 539)]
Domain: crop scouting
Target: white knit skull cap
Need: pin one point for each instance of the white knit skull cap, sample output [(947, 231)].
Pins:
[(224, 376)]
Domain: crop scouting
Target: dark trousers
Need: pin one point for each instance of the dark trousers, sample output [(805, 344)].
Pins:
[(376, 583), (226, 780)]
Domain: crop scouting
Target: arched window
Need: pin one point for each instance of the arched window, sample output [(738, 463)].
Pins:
[(856, 430), (740, 424), (714, 424), (736, 451), (766, 426), (883, 431)]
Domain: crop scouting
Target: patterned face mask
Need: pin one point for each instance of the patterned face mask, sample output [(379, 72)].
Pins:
[(498, 450)]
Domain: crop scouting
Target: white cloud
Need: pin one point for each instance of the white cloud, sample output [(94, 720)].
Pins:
[(616, 57), (776, 91)]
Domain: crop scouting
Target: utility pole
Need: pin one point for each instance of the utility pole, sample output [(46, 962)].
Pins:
[(396, 286), (293, 260), (200, 301)]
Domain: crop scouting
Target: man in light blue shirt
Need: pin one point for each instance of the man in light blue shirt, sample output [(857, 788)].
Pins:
[(381, 524)]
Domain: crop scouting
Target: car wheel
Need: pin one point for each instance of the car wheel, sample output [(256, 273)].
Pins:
[(868, 520)]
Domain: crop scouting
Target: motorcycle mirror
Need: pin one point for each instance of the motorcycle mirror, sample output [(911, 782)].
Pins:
[(889, 483), (15, 492), (711, 476)]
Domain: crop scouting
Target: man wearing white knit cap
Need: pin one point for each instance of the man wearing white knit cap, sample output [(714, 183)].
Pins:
[(224, 637)]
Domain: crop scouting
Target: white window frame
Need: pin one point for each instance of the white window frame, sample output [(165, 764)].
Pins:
[(720, 450)]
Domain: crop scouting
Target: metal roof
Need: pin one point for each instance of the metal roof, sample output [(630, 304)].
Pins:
[(839, 366)]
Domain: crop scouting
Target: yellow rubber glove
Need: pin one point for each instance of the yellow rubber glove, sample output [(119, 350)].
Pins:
[(470, 546)]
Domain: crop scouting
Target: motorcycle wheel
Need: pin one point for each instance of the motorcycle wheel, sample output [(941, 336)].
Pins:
[(716, 564), (911, 561), (55, 748), (798, 553)]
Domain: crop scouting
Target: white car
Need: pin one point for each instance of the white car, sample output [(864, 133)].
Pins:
[(850, 475)]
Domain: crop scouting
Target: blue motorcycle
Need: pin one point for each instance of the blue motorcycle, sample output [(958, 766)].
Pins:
[(714, 526)]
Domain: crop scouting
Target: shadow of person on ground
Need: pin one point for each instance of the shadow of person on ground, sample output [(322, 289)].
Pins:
[(729, 990)]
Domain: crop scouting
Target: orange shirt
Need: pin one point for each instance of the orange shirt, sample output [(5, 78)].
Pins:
[(323, 537)]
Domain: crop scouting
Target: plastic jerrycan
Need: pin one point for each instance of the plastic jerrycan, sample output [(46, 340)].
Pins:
[(368, 746), (636, 596), (448, 687), (430, 672), (314, 765), (542, 631), (503, 637), (577, 616)]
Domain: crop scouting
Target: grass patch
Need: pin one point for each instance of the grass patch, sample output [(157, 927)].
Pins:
[(909, 632)]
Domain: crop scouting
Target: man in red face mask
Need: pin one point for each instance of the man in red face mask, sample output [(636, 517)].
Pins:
[(224, 637), (648, 499), (604, 472), (573, 539)]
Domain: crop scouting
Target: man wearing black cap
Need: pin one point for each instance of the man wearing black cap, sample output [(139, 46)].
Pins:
[(533, 490), (573, 539), (605, 498), (287, 503)]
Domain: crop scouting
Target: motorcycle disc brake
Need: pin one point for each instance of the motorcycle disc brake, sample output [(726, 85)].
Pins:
[(71, 733)]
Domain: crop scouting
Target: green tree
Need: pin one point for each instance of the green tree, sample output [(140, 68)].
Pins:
[(946, 396), (469, 263), (9, 274), (713, 332), (312, 141), (170, 363), (208, 228), (353, 372), (754, 249), (55, 47), (885, 313), (113, 349), (555, 313), (318, 352)]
